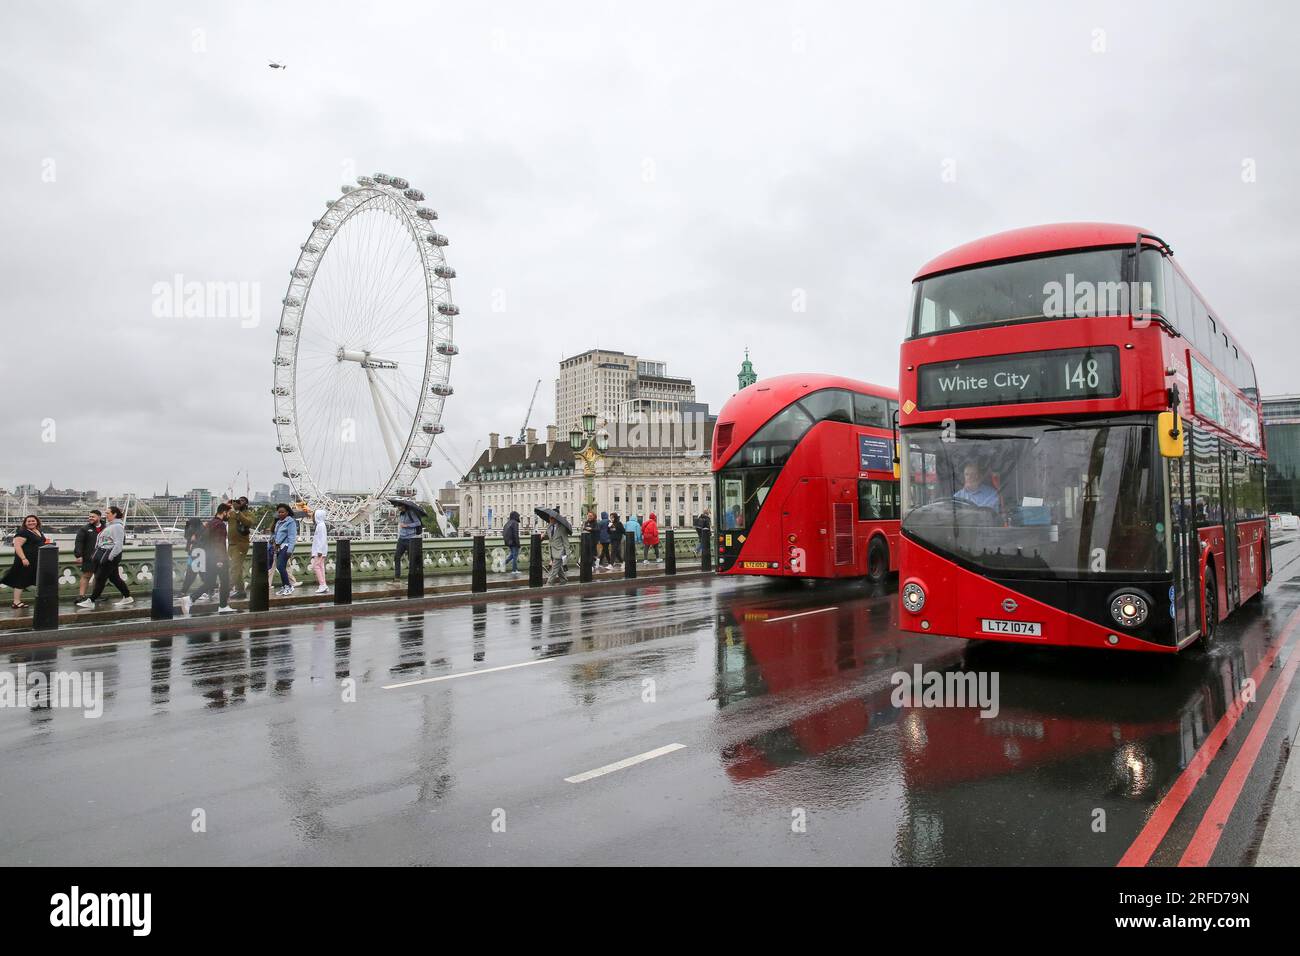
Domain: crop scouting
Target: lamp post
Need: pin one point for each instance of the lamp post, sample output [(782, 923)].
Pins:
[(589, 445)]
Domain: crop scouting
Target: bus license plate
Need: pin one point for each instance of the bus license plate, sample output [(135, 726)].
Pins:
[(1028, 628)]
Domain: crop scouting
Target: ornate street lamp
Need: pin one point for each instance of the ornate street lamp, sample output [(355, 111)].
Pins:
[(589, 446)]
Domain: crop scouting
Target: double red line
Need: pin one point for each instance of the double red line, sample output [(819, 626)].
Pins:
[(1207, 834)]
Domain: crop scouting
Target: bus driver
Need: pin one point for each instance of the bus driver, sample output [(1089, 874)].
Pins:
[(975, 488)]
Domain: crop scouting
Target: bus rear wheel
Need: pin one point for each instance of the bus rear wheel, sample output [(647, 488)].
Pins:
[(877, 561), (1211, 623)]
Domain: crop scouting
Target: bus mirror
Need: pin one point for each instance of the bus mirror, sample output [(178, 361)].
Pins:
[(898, 471), (1170, 427)]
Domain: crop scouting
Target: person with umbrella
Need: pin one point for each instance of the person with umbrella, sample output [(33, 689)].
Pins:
[(557, 537), (409, 527)]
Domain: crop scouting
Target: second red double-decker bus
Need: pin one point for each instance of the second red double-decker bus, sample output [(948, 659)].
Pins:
[(804, 473), (1081, 450)]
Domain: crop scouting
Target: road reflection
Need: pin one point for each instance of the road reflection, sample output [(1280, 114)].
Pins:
[(1076, 732)]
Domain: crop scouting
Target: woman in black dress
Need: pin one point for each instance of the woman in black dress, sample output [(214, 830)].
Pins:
[(27, 544)]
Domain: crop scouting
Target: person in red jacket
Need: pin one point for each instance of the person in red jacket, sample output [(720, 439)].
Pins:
[(650, 536)]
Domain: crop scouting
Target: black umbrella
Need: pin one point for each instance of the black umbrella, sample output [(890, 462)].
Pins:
[(408, 503), (546, 514)]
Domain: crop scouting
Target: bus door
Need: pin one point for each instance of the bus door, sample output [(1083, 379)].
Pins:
[(1186, 550), (805, 534), (1231, 554)]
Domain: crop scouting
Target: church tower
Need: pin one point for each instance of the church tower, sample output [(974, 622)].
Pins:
[(747, 376)]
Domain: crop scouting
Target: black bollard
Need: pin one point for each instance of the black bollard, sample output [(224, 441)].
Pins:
[(670, 553), (343, 571), (584, 557), (535, 561), (478, 565), (415, 573), (45, 616), (259, 586), (629, 566), (706, 550), (161, 609)]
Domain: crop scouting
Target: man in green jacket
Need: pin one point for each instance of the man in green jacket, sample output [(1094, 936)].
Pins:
[(240, 528)]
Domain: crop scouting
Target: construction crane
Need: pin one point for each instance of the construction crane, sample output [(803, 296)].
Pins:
[(531, 402)]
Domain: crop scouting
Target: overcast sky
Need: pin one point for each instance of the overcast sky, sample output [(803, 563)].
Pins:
[(670, 182)]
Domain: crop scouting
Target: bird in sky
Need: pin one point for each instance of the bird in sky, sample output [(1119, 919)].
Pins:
[(278, 66)]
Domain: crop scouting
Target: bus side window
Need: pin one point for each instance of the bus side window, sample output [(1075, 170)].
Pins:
[(1187, 312), (1169, 300), (870, 410)]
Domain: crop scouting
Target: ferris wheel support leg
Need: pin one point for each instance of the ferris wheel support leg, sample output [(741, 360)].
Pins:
[(381, 413)]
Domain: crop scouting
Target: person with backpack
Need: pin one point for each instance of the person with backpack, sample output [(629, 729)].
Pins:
[(213, 561), (240, 529), (602, 540)]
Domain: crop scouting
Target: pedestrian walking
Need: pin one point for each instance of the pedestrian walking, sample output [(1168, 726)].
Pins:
[(557, 543), (286, 536), (27, 544), (616, 537), (510, 538), (632, 533), (650, 535), (602, 539), (240, 535), (409, 527), (703, 529), (108, 559), (212, 560), (83, 548), (319, 549), (193, 547)]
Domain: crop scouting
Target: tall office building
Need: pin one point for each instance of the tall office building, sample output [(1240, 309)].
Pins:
[(1282, 439), (616, 386)]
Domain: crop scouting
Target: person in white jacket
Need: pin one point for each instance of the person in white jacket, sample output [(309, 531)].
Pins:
[(319, 549)]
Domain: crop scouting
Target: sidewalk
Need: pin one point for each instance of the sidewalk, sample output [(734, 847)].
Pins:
[(369, 597), (1281, 843)]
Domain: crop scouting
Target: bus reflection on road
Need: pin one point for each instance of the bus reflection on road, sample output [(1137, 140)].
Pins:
[(1079, 737)]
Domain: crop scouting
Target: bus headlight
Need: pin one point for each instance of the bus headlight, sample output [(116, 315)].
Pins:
[(913, 597), (1129, 609)]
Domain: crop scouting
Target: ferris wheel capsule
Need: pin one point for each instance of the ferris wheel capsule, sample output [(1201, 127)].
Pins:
[(347, 188), (310, 248), (444, 272), (421, 463), (300, 273), (414, 195), (447, 308), (397, 182), (448, 348), (365, 181), (438, 239), (432, 428), (440, 389), (383, 179), (292, 301), (426, 214)]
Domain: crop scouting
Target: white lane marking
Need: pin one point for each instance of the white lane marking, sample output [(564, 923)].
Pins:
[(622, 764), (483, 670), (823, 610)]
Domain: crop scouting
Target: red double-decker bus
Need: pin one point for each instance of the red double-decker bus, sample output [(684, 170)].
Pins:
[(805, 484), (1081, 446)]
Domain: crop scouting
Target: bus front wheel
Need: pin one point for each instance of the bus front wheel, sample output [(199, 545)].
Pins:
[(877, 561)]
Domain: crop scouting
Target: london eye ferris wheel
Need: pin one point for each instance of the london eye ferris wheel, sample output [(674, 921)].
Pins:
[(363, 351)]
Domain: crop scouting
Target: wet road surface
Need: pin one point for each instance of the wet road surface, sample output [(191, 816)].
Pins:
[(693, 723)]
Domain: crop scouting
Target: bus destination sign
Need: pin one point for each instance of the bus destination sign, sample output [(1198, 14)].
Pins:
[(1060, 375)]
